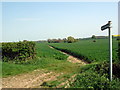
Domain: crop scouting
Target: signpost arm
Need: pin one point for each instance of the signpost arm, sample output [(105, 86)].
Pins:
[(110, 52)]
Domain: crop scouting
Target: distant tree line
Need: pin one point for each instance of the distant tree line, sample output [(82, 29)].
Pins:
[(69, 39)]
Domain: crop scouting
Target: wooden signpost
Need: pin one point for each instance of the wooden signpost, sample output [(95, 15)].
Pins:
[(108, 26)]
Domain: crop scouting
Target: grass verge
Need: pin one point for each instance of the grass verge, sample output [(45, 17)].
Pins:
[(47, 58)]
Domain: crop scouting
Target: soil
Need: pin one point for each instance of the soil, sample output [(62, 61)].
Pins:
[(29, 80)]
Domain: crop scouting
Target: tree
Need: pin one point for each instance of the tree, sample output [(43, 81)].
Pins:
[(93, 37), (59, 40), (70, 39), (49, 40), (64, 40)]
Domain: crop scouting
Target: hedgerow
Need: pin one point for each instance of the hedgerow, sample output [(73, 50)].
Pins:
[(19, 51), (96, 76), (94, 80)]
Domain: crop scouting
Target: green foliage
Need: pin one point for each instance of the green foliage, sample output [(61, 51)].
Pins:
[(46, 52), (90, 51), (93, 37), (94, 80), (46, 58), (9, 69), (70, 39), (95, 75), (65, 40), (18, 51)]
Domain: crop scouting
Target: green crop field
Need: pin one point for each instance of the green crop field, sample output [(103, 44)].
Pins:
[(96, 74), (93, 75), (47, 58), (89, 50)]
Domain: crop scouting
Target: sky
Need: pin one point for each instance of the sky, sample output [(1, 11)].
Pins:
[(46, 20), (119, 18), (0, 21)]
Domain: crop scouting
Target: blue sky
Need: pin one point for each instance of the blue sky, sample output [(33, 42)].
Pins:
[(43, 20), (0, 21), (119, 18)]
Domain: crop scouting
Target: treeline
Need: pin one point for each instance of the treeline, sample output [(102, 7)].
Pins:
[(18, 51), (65, 40)]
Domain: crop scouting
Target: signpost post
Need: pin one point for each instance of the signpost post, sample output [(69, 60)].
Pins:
[(108, 26)]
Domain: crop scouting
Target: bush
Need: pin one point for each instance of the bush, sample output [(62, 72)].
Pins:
[(97, 76), (103, 69), (94, 80), (18, 51), (70, 39)]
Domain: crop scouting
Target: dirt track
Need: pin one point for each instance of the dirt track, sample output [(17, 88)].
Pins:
[(29, 80), (73, 59)]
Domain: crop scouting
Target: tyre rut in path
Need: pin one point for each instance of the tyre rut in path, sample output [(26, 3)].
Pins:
[(71, 58)]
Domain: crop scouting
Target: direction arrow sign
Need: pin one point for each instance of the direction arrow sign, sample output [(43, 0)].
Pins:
[(105, 26)]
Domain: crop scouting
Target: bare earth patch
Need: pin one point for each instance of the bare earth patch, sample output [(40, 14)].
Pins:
[(0, 83), (66, 83), (28, 80), (75, 60)]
